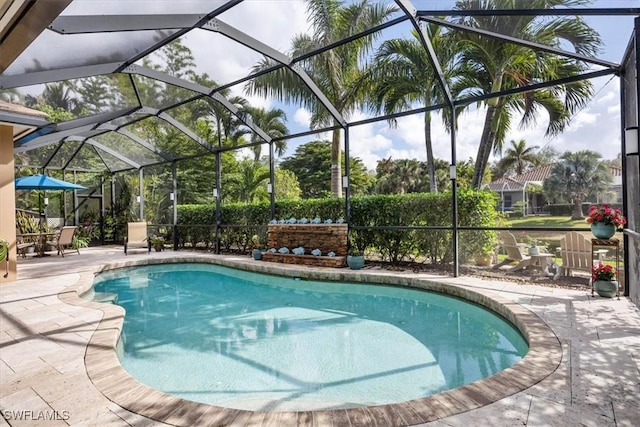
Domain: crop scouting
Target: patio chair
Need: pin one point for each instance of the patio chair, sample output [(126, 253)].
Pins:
[(575, 251), (22, 245), (64, 238), (137, 237), (514, 252)]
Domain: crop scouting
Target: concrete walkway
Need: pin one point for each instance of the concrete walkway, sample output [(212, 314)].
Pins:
[(43, 341)]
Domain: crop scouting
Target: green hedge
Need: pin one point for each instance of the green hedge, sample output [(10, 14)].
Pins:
[(196, 223)]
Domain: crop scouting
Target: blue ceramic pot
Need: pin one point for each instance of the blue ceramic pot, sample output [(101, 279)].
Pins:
[(603, 231), (355, 262), (257, 254), (606, 288)]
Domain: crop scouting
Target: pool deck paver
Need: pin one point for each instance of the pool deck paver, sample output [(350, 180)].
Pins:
[(44, 342)]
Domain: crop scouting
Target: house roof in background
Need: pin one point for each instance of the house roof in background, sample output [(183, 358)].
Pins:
[(537, 176)]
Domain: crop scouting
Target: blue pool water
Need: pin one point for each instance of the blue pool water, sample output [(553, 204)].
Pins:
[(242, 340)]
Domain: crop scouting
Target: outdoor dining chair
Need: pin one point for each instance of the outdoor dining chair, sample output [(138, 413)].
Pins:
[(64, 239)]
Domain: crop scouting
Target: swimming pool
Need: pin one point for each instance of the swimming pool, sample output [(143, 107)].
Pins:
[(258, 342)]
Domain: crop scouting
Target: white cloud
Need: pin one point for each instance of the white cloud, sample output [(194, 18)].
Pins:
[(368, 144), (302, 117), (271, 22)]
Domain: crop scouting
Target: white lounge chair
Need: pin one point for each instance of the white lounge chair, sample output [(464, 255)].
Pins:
[(514, 252), (575, 251), (137, 237)]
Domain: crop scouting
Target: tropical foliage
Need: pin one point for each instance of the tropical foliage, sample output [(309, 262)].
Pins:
[(310, 164), (518, 158), (576, 177), (394, 77), (402, 74), (475, 209), (488, 65), (336, 71)]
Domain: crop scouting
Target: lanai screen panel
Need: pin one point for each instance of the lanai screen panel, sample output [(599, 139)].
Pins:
[(83, 50), (129, 148), (65, 153), (167, 138), (232, 24), (90, 49)]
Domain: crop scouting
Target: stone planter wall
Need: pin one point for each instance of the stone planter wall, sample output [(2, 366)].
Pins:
[(326, 237)]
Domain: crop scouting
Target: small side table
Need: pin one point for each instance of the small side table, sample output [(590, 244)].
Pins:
[(541, 262), (607, 243)]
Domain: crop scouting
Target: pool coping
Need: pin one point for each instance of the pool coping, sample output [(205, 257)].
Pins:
[(105, 372)]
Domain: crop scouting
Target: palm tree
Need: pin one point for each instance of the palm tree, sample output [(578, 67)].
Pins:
[(227, 125), (576, 177), (11, 95), (273, 123), (400, 176), (57, 95), (402, 74), (490, 65), (518, 157), (335, 71), (249, 183)]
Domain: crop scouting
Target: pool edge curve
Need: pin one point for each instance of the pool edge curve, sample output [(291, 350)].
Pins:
[(105, 372)]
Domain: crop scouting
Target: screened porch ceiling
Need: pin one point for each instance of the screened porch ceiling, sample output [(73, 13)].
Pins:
[(121, 42)]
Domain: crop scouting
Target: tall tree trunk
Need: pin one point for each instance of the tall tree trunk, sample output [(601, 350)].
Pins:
[(336, 170), (577, 209), (484, 150), (433, 185)]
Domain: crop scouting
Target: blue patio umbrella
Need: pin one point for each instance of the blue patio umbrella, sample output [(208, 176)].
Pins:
[(43, 182)]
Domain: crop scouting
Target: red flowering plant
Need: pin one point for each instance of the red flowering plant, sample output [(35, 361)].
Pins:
[(603, 272), (607, 215)]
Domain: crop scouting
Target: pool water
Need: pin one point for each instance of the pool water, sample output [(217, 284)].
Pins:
[(242, 340)]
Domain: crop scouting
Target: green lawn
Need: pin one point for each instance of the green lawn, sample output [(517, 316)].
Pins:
[(547, 221), (550, 240)]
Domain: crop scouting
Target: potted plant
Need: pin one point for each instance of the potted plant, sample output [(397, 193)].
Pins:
[(605, 220), (486, 252), (534, 249), (355, 258), (258, 247), (604, 283), (157, 242)]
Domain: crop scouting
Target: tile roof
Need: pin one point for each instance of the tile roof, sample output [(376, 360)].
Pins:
[(536, 175)]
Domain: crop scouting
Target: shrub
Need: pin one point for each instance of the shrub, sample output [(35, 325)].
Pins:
[(240, 222)]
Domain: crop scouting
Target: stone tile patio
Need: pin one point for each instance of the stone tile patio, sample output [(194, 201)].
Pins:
[(44, 342)]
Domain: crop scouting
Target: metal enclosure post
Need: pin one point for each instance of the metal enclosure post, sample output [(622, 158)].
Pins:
[(174, 190), (75, 200), (102, 210), (454, 194), (272, 181), (64, 201), (217, 197), (141, 192), (625, 123), (113, 204), (347, 174)]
